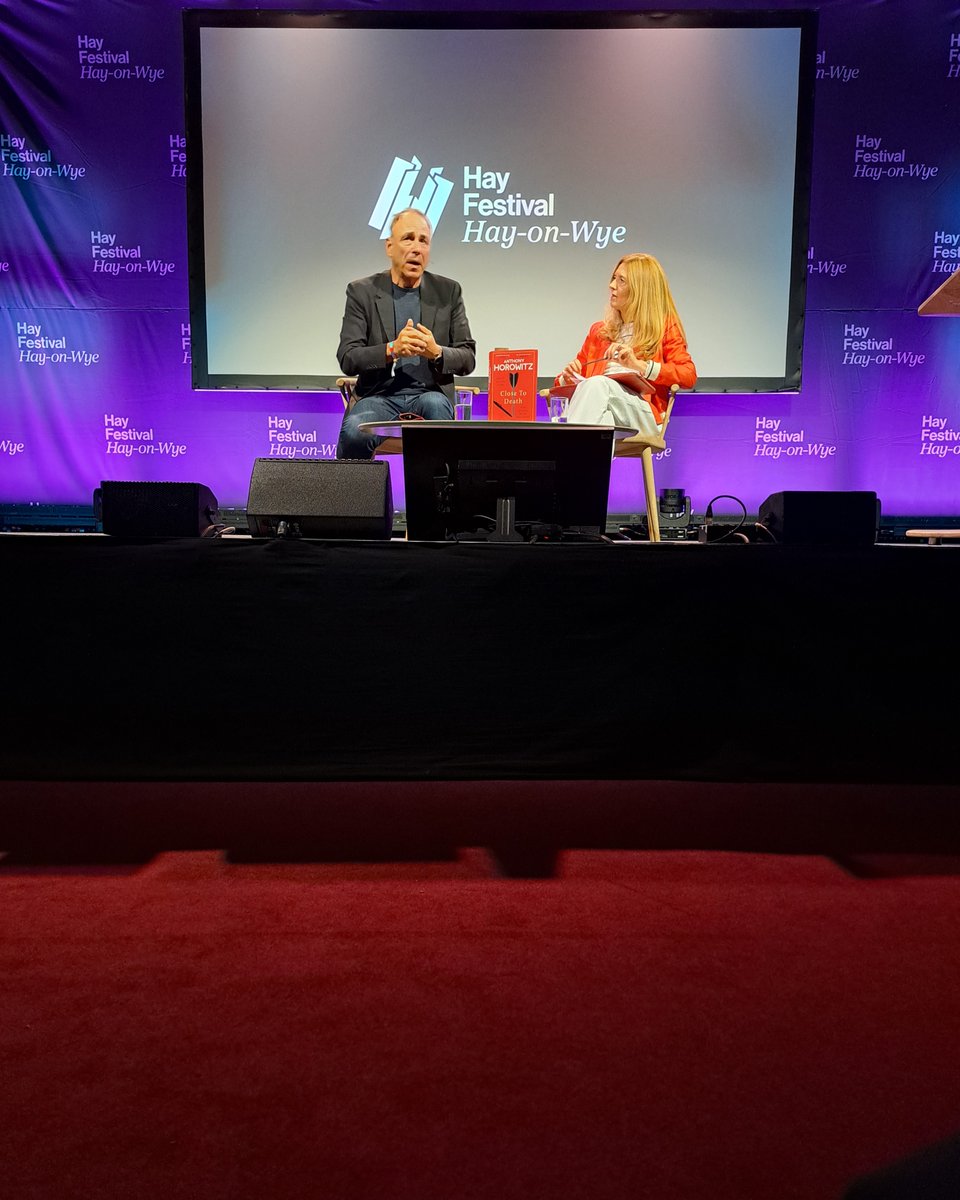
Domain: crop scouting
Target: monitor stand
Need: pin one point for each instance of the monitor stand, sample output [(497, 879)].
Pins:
[(506, 521)]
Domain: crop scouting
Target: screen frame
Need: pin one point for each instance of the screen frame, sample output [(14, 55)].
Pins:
[(576, 460), (196, 20)]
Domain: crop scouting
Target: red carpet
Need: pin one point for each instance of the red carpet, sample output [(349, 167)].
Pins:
[(663, 1025)]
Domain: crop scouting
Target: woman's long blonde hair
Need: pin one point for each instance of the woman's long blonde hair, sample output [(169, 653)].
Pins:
[(650, 305)]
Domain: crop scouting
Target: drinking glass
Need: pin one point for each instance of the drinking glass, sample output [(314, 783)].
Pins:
[(557, 408), (463, 409)]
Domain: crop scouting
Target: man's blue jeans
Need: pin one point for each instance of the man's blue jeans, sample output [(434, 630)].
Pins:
[(432, 406)]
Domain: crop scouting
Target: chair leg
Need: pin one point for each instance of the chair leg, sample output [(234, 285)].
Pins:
[(650, 495)]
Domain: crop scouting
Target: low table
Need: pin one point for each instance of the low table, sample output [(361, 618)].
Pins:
[(934, 537), (392, 431)]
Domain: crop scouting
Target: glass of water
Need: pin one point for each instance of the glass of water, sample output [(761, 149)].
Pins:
[(557, 408), (463, 409)]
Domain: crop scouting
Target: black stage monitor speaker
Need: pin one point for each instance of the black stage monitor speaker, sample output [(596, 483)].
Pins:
[(320, 498), (133, 509), (822, 518)]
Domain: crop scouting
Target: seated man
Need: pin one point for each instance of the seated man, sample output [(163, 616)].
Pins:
[(405, 335)]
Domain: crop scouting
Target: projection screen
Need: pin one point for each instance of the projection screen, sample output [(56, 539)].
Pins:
[(542, 147)]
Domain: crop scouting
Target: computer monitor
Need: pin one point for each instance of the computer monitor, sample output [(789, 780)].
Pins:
[(459, 476)]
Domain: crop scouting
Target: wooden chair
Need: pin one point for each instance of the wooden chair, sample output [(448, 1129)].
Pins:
[(644, 446), (347, 385)]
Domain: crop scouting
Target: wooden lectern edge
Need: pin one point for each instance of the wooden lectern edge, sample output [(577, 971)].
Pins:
[(945, 300)]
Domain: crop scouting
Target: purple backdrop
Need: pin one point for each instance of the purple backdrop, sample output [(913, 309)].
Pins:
[(96, 367)]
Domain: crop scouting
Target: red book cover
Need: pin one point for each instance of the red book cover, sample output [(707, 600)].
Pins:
[(513, 385)]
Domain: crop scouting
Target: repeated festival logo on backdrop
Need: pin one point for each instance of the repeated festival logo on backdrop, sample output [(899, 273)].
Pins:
[(397, 194), (91, 268), (486, 200)]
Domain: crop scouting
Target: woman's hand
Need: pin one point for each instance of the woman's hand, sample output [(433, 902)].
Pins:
[(571, 371), (623, 356)]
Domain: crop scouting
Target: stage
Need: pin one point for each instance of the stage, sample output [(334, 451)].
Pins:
[(416, 695)]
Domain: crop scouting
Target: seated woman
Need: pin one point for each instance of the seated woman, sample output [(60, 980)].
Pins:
[(640, 338)]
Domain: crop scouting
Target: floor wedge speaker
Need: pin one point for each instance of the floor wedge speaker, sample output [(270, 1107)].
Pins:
[(133, 509), (323, 498), (821, 518)]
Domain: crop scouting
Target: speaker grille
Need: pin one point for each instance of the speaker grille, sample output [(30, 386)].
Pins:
[(822, 518), (327, 498), (137, 509)]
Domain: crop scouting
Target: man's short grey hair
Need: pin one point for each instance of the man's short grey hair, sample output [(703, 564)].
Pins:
[(408, 212)]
